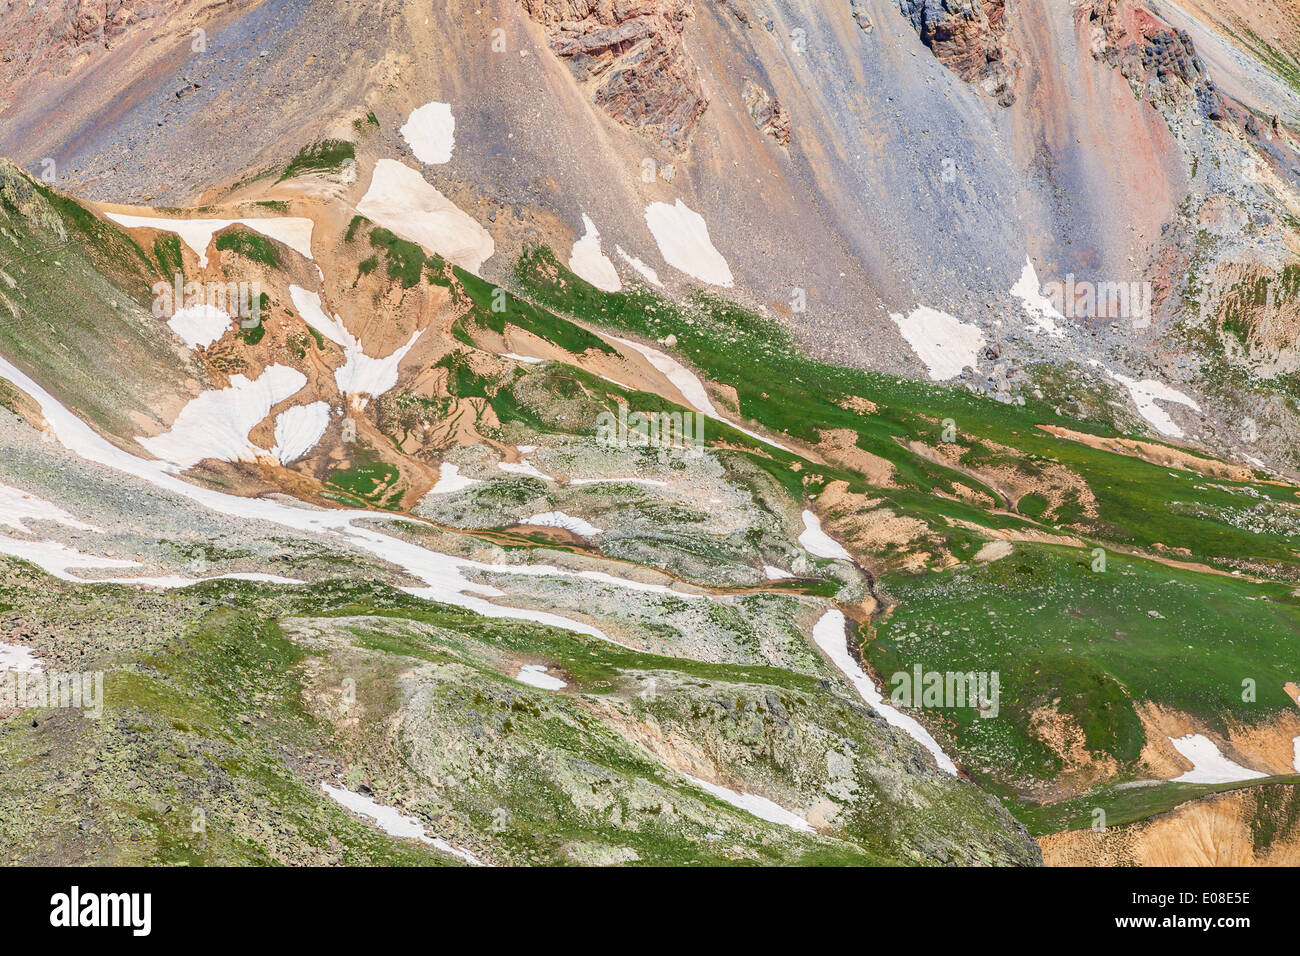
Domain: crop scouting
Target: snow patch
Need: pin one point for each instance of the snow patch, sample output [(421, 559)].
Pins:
[(14, 657), (644, 270), (400, 199), (817, 542), (523, 468), (558, 519), (298, 429), (1208, 764), (535, 676), (686, 382), (199, 325), (946, 345), (451, 480), (294, 232), (683, 238), (430, 131), (775, 574), (361, 374), (589, 263), (829, 634), (216, 424), (1146, 393), (393, 822), (752, 803), (17, 506), (1039, 307)]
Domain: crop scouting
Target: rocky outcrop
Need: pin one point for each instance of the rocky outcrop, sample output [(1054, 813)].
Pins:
[(767, 113), (1160, 63), (968, 37), (631, 56)]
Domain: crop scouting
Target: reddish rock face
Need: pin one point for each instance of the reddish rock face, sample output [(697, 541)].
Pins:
[(968, 37), (630, 53), (1158, 61)]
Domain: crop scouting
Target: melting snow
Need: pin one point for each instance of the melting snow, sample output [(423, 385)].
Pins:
[(1039, 307), (683, 238), (16, 658), (686, 382), (430, 131), (59, 561), (817, 542), (216, 423), (558, 519), (294, 232), (646, 272), (298, 429), (829, 634), (199, 325), (361, 374), (1146, 393), (1295, 745), (751, 803), (775, 573), (523, 468), (393, 822), (588, 262), (451, 480), (400, 199), (17, 506), (535, 675), (943, 343), (442, 574), (1208, 764)]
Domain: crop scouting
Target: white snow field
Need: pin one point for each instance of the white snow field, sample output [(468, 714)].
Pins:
[(647, 273), (558, 519), (450, 480), (1039, 307), (298, 429), (216, 423), (683, 238), (393, 822), (586, 261), (944, 344), (400, 199), (430, 131), (755, 805), (535, 676), (1209, 765), (829, 634), (361, 374), (817, 542), (686, 382), (16, 658), (294, 232), (17, 507), (1146, 393), (199, 325)]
